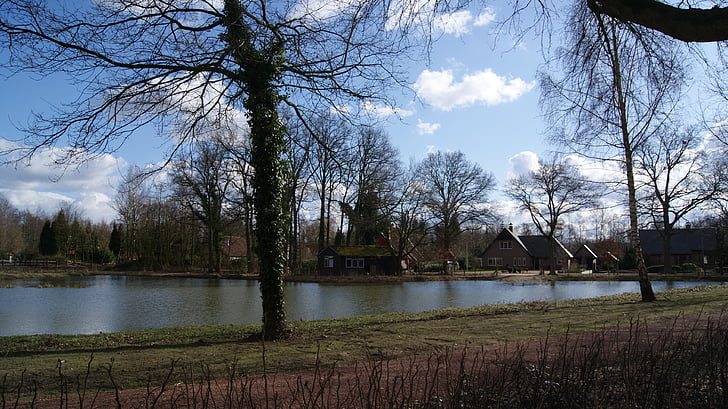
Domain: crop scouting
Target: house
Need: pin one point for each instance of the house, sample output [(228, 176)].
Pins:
[(609, 253), (357, 260), (586, 258), (234, 247), (511, 251), (688, 245)]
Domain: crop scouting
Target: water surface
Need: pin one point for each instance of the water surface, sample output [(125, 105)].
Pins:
[(86, 305)]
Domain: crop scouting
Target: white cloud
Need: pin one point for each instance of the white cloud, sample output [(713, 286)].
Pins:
[(426, 128), (423, 14), (38, 184), (511, 212), (716, 138), (457, 23), (485, 18), (36, 201), (382, 111), (439, 89), (522, 163), (597, 171), (96, 206), (318, 10)]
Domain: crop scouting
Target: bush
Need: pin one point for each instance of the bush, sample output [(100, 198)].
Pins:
[(690, 268), (431, 267)]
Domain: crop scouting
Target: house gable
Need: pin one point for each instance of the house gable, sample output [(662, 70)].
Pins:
[(234, 247), (586, 257), (507, 249), (530, 252), (585, 252)]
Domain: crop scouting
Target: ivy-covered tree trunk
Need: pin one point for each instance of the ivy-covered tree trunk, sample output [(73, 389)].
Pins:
[(259, 73), (271, 221)]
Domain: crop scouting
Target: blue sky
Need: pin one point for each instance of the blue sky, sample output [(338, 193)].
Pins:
[(470, 96)]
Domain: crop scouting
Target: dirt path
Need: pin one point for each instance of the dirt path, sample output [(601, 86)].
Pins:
[(393, 383)]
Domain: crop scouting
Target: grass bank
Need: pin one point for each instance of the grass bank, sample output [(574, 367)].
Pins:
[(142, 358)]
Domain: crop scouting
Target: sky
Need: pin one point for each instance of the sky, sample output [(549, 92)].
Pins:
[(474, 94)]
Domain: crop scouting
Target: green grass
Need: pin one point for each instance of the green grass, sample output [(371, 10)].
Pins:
[(139, 358)]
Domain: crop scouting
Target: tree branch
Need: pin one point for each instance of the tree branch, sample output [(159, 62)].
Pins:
[(690, 25)]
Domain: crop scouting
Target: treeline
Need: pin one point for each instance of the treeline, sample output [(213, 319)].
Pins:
[(164, 237), (26, 236), (345, 184)]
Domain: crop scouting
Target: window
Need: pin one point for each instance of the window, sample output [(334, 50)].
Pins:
[(519, 261), (354, 262), (495, 261), (505, 245), (329, 262)]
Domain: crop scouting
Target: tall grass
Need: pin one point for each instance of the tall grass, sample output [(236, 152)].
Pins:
[(635, 366)]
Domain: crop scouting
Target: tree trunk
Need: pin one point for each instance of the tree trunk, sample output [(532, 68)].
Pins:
[(322, 217), (645, 285), (259, 73), (634, 236), (249, 239), (552, 254), (667, 253), (210, 251)]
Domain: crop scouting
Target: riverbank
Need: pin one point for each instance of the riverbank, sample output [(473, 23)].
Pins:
[(35, 273), (137, 359)]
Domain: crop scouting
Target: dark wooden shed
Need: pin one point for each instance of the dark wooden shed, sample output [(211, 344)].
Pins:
[(357, 260)]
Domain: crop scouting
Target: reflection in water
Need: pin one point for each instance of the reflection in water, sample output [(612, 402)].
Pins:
[(84, 305)]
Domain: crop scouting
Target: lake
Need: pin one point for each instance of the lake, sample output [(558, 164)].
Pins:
[(86, 305)]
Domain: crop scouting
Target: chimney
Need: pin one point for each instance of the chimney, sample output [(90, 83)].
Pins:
[(687, 226), (510, 227)]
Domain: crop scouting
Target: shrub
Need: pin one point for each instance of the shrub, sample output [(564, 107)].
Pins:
[(690, 268)]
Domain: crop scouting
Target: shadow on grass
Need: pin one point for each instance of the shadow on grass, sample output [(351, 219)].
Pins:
[(683, 365)]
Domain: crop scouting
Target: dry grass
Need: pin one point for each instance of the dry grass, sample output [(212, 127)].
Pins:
[(57, 365)]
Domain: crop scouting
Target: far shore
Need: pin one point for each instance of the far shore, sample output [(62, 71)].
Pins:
[(40, 273)]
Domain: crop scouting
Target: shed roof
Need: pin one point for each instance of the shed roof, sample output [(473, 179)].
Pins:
[(683, 241), (538, 246), (363, 251), (586, 251)]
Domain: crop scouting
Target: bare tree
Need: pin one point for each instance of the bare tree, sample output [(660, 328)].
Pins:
[(618, 88), (11, 234), (131, 197), (678, 179), (409, 223), (331, 136), (456, 195), (182, 64), (550, 193), (298, 186), (201, 183), (373, 167)]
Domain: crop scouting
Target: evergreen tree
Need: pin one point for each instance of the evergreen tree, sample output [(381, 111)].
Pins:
[(47, 245), (61, 233), (115, 241)]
